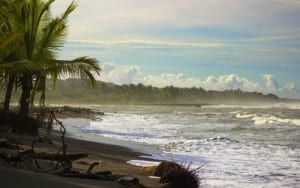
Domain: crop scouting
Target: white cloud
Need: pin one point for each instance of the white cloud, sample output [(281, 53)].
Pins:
[(120, 74), (127, 74), (231, 81), (119, 19), (271, 82)]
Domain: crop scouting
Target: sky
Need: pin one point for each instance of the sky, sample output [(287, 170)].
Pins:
[(214, 44)]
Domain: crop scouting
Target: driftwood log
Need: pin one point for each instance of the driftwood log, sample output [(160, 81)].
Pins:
[(27, 156), (74, 173), (4, 143), (57, 156), (87, 175), (64, 161)]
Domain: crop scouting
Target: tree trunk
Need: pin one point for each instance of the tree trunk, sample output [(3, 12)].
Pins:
[(8, 93), (25, 97)]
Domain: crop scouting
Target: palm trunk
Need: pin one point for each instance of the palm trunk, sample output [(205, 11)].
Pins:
[(8, 93), (25, 97)]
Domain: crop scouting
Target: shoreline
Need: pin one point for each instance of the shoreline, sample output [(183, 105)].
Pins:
[(74, 133), (113, 158)]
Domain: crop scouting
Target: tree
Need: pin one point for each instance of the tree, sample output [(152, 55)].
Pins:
[(40, 37), (10, 64)]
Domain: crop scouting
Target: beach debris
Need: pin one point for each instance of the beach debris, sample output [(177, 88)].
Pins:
[(4, 143), (26, 157), (92, 166), (88, 175), (83, 162), (57, 156), (177, 175), (84, 175), (103, 175), (64, 160), (128, 181), (165, 166)]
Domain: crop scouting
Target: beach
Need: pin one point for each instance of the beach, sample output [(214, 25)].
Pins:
[(229, 143), (113, 158), (235, 146)]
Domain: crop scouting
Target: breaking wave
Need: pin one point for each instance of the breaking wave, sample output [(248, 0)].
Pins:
[(232, 143)]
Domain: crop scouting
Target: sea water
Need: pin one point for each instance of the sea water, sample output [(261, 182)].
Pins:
[(235, 146)]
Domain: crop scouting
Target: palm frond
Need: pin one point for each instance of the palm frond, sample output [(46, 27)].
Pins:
[(82, 67), (34, 13), (18, 67), (8, 44), (54, 34)]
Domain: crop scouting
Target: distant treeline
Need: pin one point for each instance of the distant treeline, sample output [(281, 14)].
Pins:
[(77, 91)]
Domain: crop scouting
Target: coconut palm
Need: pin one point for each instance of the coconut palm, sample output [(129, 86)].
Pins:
[(81, 67), (10, 63), (42, 36)]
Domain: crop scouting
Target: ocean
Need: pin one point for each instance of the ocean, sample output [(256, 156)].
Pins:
[(235, 146)]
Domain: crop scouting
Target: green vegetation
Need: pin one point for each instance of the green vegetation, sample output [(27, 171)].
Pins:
[(30, 39), (75, 91)]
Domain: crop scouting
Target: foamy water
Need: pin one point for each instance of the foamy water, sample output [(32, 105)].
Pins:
[(238, 146)]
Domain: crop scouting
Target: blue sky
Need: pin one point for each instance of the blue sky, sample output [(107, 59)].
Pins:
[(215, 44)]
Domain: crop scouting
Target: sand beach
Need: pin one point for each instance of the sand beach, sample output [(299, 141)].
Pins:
[(112, 158)]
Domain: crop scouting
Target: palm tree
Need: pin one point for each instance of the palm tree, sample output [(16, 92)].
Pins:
[(43, 38), (10, 66), (81, 67), (40, 37)]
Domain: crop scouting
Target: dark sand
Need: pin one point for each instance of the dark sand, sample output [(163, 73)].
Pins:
[(113, 158)]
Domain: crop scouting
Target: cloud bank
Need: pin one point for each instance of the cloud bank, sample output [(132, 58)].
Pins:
[(132, 74)]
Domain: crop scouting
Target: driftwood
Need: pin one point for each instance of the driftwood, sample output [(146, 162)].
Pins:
[(23, 156), (70, 172), (63, 160), (57, 156), (87, 175), (129, 181), (4, 143), (63, 166)]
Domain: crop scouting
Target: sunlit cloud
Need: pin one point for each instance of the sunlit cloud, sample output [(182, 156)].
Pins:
[(132, 74)]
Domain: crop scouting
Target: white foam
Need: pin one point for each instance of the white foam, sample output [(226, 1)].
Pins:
[(265, 119), (243, 115), (138, 128), (277, 105), (143, 163), (228, 158), (274, 120)]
